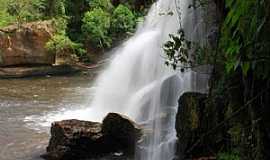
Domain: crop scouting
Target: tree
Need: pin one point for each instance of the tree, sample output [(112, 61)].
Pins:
[(96, 25), (123, 20), (54, 8), (26, 10)]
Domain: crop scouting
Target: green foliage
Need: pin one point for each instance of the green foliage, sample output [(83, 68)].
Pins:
[(104, 22), (60, 24), (177, 50), (95, 21), (243, 43), (5, 18), (54, 8), (61, 44), (123, 20), (228, 156), (75, 10), (20, 11), (103, 4), (96, 25), (240, 39)]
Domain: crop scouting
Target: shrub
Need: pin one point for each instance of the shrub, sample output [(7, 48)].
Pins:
[(96, 24), (61, 44), (123, 20), (60, 24), (6, 19)]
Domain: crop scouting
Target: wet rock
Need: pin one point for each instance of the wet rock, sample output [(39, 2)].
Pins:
[(84, 140), (74, 139), (188, 120), (122, 131), (196, 122), (26, 45)]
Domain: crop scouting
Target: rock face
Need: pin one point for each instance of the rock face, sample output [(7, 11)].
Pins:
[(79, 140), (26, 46), (188, 120), (194, 120)]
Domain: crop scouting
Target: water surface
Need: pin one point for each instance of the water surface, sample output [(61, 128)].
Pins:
[(23, 102)]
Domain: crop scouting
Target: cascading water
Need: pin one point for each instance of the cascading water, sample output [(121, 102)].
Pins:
[(138, 84)]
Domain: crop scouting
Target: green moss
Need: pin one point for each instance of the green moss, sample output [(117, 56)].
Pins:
[(229, 111), (194, 118), (228, 156), (235, 132)]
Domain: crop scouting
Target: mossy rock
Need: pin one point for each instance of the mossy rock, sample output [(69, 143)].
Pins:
[(196, 117)]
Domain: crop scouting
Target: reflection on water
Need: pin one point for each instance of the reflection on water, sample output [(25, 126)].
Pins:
[(24, 101)]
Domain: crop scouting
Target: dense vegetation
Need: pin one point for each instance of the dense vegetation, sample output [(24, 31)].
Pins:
[(240, 76), (83, 24)]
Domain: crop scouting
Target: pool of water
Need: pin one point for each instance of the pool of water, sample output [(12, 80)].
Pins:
[(23, 102)]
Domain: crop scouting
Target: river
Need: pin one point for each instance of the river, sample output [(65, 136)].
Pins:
[(23, 102)]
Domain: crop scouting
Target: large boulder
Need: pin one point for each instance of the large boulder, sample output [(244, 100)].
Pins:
[(188, 120), (26, 45), (123, 131), (75, 139), (80, 140), (196, 126)]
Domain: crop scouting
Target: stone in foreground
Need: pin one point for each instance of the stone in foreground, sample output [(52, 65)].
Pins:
[(84, 140), (123, 132)]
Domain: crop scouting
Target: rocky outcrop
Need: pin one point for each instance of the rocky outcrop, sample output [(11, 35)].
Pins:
[(188, 120), (26, 45), (75, 139), (196, 126)]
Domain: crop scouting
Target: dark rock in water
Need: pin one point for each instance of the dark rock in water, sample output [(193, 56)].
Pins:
[(188, 120), (195, 118), (74, 139), (84, 140), (123, 131)]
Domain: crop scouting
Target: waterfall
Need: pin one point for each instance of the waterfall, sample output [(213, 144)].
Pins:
[(138, 84)]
